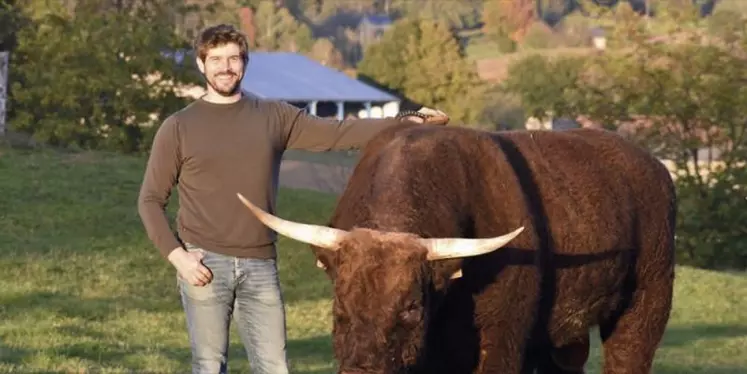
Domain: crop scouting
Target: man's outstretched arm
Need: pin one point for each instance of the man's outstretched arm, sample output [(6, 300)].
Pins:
[(307, 132)]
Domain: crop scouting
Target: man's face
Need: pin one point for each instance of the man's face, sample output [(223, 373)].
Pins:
[(223, 68)]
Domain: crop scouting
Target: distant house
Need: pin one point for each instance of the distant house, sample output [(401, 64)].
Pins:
[(598, 38), (372, 27), (305, 83)]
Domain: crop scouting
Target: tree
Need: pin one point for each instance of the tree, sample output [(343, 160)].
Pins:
[(9, 22), (423, 61), (507, 21), (97, 79), (325, 52), (278, 30), (685, 99), (457, 14)]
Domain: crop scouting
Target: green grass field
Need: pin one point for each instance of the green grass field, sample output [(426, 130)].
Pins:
[(84, 290)]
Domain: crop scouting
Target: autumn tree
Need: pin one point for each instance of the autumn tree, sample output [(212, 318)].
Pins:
[(423, 61), (685, 99), (507, 21)]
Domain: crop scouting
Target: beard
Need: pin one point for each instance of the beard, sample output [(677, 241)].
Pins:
[(225, 84)]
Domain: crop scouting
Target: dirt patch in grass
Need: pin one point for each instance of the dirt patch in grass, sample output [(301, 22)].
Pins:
[(314, 176)]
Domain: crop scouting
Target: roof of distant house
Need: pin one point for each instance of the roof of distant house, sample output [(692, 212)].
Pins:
[(294, 77)]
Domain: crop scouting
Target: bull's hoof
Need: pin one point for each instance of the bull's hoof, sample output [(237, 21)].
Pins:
[(572, 357)]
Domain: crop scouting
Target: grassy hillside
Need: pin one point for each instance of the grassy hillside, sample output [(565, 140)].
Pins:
[(83, 289)]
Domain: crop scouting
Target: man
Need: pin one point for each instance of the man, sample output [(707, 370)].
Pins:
[(221, 144)]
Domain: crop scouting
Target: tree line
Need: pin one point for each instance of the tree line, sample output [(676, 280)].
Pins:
[(102, 75)]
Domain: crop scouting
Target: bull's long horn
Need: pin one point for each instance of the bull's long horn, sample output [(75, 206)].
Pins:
[(320, 236), (443, 248)]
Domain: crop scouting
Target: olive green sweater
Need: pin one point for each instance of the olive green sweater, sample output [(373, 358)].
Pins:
[(212, 151)]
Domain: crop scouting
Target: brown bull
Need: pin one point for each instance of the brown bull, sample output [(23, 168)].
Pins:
[(578, 231)]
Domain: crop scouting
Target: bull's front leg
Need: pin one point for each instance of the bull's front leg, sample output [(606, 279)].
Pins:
[(505, 315)]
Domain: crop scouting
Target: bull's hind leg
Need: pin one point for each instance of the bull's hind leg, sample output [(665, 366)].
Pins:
[(630, 341), (630, 338)]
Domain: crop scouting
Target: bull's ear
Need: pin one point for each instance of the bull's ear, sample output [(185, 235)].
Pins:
[(457, 274)]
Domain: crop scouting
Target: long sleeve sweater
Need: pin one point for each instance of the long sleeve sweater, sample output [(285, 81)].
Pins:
[(210, 151)]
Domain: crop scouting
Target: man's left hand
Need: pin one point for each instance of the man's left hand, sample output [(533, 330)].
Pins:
[(428, 116)]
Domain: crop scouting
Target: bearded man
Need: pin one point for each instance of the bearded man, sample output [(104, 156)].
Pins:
[(225, 259)]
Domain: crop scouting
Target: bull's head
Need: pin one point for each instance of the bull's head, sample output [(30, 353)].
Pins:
[(381, 288)]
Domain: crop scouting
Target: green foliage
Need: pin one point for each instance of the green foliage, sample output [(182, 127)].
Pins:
[(502, 110), (682, 99), (546, 85), (423, 61), (457, 14), (711, 225), (9, 22), (96, 80), (539, 36), (574, 30), (278, 30)]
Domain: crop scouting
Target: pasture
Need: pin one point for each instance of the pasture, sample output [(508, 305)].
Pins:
[(84, 290)]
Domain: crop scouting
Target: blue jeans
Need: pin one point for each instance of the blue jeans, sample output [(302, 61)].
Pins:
[(247, 290)]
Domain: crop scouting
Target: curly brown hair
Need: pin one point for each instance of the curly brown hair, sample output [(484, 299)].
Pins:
[(218, 35)]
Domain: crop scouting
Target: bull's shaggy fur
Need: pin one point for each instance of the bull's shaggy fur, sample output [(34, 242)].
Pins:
[(597, 250)]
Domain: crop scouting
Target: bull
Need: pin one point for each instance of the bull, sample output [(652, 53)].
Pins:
[(455, 250)]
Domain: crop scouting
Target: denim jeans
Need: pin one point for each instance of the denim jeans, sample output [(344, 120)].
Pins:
[(247, 290)]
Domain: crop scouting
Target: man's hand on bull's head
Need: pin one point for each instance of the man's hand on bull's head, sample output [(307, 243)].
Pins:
[(425, 115)]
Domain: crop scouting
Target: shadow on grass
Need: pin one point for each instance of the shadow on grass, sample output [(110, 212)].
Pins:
[(90, 309), (12, 355), (98, 350), (687, 337), (305, 355), (309, 353), (683, 369), (678, 336), (313, 348)]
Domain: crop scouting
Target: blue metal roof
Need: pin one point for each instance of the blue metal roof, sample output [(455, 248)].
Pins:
[(293, 77)]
